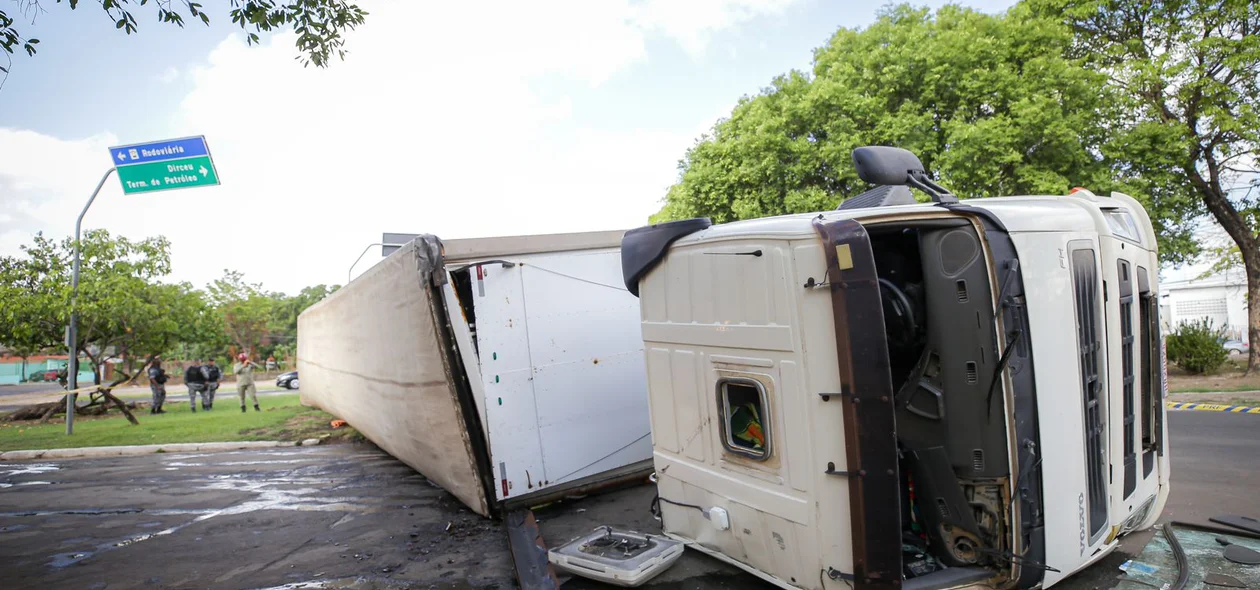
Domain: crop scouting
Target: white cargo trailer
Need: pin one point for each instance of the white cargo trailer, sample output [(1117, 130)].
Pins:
[(507, 370)]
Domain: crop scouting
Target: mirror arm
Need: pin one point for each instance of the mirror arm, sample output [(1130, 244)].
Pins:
[(938, 193)]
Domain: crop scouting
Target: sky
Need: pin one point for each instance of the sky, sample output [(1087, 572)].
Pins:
[(460, 119)]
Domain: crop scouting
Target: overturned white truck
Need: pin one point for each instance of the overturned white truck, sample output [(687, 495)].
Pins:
[(507, 370), (900, 394)]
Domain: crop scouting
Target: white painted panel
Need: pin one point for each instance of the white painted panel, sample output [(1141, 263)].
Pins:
[(588, 373), (721, 335), (661, 386), (1052, 325), (690, 403), (507, 376), (792, 421)]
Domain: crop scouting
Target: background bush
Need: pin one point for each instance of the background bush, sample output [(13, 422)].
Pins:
[(1196, 347)]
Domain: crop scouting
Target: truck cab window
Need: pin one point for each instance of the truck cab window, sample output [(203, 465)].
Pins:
[(746, 424)]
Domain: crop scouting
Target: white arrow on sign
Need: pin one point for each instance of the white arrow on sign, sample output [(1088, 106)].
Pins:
[(204, 172), (121, 156)]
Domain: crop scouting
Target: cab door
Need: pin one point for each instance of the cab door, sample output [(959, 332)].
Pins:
[(866, 394)]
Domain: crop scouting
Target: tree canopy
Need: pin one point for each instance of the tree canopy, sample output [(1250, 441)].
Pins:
[(123, 310), (319, 24), (126, 310), (1187, 72), (993, 104)]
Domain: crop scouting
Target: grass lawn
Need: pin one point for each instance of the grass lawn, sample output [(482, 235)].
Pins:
[(282, 418)]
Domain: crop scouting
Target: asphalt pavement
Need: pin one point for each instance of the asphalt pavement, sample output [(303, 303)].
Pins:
[(350, 516), (23, 388)]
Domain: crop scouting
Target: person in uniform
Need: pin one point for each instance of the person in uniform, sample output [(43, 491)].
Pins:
[(214, 375), (244, 370), (157, 386), (196, 382)]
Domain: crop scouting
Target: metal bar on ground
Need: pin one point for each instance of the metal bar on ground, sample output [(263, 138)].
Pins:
[(529, 552)]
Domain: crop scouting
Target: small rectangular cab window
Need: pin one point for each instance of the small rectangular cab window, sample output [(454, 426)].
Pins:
[(745, 423)]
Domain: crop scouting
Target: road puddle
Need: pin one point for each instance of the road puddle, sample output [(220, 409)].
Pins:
[(32, 469), (25, 483), (302, 493)]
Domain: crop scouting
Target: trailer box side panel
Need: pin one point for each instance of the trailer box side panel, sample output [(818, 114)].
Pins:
[(372, 354), (562, 366)]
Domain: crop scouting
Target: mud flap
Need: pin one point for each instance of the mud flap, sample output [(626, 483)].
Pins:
[(870, 434)]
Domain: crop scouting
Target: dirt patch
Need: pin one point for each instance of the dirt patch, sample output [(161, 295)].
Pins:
[(1229, 398), (1231, 377), (307, 424)]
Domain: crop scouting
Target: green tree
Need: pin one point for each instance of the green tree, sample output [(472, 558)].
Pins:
[(992, 104), (123, 308), (287, 309), (319, 24), (1188, 71), (31, 305), (245, 309)]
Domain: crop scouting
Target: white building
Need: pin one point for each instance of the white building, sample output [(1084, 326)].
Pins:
[(1222, 298)]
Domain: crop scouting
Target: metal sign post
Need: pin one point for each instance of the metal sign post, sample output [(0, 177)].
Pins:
[(142, 167), (72, 335)]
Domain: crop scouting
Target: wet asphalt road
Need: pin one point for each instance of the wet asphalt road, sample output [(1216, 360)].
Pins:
[(351, 516), (237, 520), (21, 388)]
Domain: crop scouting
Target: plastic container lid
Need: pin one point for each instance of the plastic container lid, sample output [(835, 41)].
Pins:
[(616, 557)]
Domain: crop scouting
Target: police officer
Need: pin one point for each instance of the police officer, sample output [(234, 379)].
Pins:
[(214, 375), (157, 386), (196, 382)]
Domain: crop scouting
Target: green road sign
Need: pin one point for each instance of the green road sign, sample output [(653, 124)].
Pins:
[(167, 175), (164, 165)]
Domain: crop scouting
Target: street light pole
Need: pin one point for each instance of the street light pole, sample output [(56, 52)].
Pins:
[(356, 260), (72, 334)]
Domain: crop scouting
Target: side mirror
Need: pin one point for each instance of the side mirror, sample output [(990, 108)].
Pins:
[(886, 166), (892, 166)]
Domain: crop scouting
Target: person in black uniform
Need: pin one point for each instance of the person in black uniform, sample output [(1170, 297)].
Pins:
[(214, 375), (157, 386), (196, 382)]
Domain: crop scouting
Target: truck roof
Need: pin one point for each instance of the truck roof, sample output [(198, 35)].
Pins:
[(467, 249), (1018, 214)]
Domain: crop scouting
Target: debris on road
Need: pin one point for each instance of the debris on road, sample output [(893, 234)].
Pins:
[(626, 559)]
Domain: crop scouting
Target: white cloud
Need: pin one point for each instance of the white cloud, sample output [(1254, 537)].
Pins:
[(45, 181), (170, 75), (694, 22), (432, 124)]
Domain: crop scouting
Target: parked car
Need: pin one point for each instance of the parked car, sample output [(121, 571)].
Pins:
[(288, 380), (1236, 346)]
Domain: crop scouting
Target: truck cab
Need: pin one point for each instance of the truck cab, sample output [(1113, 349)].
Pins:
[(902, 394)]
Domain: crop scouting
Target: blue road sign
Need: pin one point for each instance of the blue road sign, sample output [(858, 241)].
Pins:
[(157, 151)]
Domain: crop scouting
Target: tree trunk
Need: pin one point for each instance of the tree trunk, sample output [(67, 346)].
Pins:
[(122, 407), (1248, 246), (1253, 311)]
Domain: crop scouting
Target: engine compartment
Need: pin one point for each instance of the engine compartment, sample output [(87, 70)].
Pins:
[(937, 302)]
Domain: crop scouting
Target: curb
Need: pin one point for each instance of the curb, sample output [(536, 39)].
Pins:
[(126, 451), (1212, 408)]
